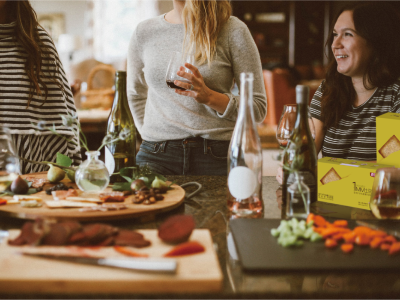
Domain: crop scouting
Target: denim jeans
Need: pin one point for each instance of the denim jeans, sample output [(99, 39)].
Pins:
[(191, 156)]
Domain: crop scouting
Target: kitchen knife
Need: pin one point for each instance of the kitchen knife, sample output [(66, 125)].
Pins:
[(139, 264), (378, 227)]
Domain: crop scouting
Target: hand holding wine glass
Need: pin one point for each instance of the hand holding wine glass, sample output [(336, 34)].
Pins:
[(177, 61)]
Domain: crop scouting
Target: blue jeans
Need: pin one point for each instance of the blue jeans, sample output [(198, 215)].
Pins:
[(191, 156)]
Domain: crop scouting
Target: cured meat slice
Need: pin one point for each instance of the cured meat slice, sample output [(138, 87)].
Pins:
[(37, 182), (59, 195), (131, 238), (96, 233), (72, 193), (112, 197)]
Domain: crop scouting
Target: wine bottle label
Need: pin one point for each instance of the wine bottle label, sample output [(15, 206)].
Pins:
[(242, 182), (109, 161)]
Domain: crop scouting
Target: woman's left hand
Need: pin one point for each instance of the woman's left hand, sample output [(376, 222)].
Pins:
[(197, 89)]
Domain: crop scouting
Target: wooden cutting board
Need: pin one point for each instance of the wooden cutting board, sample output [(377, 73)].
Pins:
[(259, 251), (172, 199), (195, 273)]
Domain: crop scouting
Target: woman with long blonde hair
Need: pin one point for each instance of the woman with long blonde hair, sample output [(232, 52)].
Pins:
[(187, 131)]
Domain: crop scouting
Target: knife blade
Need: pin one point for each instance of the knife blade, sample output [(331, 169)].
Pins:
[(139, 264), (382, 228)]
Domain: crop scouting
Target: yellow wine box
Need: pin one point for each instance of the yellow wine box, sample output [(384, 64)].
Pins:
[(346, 182), (388, 139)]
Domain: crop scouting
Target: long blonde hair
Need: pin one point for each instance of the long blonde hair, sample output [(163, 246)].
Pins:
[(203, 20)]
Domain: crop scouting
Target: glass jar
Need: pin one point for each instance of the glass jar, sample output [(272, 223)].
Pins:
[(298, 198), (92, 174)]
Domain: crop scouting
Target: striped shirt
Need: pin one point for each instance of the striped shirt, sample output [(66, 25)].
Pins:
[(31, 142), (355, 135)]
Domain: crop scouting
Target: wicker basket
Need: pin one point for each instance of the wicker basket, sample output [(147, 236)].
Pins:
[(98, 98)]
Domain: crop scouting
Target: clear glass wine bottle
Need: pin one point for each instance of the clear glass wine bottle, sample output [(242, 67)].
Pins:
[(245, 158)]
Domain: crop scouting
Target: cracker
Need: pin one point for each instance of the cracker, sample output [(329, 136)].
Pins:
[(332, 175), (391, 146)]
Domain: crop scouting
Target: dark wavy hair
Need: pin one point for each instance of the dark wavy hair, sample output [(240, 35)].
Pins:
[(27, 35), (379, 24)]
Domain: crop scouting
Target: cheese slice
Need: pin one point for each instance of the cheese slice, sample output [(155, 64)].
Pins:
[(27, 198), (66, 203), (82, 199)]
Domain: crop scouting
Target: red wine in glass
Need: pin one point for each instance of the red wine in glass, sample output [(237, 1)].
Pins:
[(172, 85), (177, 61)]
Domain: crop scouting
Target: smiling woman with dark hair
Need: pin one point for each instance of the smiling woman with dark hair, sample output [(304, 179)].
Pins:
[(33, 88), (361, 81)]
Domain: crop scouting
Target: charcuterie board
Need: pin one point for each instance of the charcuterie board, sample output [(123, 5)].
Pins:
[(26, 274), (172, 199)]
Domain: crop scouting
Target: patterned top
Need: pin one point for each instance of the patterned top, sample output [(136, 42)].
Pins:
[(355, 135), (14, 95)]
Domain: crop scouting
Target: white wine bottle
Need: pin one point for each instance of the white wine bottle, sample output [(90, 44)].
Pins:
[(122, 152), (301, 154), (245, 159)]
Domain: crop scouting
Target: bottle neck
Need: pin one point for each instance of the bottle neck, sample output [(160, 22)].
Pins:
[(120, 97), (246, 99), (92, 155), (302, 116)]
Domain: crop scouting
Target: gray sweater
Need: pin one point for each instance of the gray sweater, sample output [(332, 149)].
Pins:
[(161, 114)]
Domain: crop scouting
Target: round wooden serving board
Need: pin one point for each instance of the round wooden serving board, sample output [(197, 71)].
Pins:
[(172, 199)]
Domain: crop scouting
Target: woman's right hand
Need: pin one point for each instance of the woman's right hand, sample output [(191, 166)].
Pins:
[(279, 176)]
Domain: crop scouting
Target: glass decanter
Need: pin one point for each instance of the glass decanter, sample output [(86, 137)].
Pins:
[(92, 174)]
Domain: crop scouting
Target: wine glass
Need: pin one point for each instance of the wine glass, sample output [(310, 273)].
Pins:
[(178, 60), (385, 197), (9, 163), (286, 124)]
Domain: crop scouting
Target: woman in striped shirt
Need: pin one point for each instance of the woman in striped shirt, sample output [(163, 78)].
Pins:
[(361, 82), (33, 89)]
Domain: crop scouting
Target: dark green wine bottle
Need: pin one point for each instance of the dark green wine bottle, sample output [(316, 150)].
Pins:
[(120, 153), (301, 153)]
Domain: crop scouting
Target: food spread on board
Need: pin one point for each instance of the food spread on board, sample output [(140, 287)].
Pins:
[(71, 234)]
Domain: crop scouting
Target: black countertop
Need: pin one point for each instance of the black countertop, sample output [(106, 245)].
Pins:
[(210, 211)]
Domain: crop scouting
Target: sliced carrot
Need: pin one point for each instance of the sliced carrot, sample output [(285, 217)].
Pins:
[(310, 218), (319, 221), (362, 230), (376, 242), (394, 248), (390, 239), (330, 243), (129, 252), (349, 237), (3, 201), (334, 230), (385, 246), (337, 236), (340, 223), (378, 233), (185, 249), (347, 248), (362, 239)]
